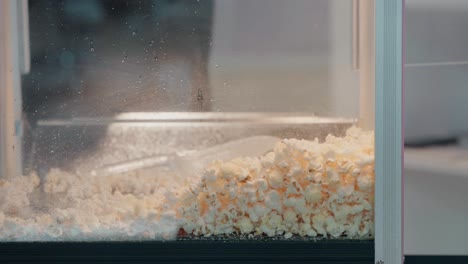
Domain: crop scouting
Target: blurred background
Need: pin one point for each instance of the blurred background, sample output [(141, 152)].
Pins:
[(436, 121)]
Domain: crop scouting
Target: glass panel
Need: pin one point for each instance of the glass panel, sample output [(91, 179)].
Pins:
[(188, 119)]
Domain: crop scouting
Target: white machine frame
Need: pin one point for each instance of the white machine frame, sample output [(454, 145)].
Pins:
[(389, 52), (388, 30)]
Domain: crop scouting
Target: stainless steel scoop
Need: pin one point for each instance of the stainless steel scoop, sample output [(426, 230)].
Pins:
[(193, 162)]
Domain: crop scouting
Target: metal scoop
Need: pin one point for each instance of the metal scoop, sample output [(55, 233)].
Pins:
[(193, 162)]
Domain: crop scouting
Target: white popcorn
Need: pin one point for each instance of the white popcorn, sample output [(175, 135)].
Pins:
[(307, 230), (273, 201), (274, 220), (245, 225), (268, 160), (366, 205), (262, 184), (233, 193), (275, 178), (294, 171), (318, 222), (333, 176), (314, 177), (264, 228), (2, 218), (345, 166), (253, 215), (367, 229), (365, 160), (260, 196), (261, 210), (332, 228), (365, 183), (300, 205), (255, 166), (249, 189), (315, 165), (210, 176), (355, 172), (290, 218), (313, 194), (345, 189)]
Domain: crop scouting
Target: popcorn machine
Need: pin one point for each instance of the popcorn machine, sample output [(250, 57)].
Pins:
[(201, 130)]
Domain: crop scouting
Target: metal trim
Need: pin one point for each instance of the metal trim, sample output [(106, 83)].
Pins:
[(388, 131), (10, 91)]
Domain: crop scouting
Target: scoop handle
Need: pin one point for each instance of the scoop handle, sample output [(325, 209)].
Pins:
[(137, 164)]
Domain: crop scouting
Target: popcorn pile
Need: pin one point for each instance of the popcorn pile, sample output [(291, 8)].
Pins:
[(302, 188)]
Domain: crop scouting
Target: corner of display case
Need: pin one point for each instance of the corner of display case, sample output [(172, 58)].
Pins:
[(190, 251), (388, 131)]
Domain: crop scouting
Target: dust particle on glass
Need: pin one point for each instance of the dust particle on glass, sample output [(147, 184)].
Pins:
[(200, 96)]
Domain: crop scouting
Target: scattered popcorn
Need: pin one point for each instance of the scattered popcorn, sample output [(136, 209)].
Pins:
[(304, 188), (14, 195), (85, 207)]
